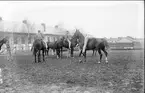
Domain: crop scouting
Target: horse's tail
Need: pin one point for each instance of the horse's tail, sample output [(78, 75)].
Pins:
[(32, 48)]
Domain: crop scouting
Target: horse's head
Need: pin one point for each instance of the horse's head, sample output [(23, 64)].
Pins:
[(77, 37), (76, 34)]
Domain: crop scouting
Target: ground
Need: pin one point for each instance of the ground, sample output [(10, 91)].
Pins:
[(123, 74)]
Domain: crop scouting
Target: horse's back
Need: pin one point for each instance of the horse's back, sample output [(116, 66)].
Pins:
[(38, 44), (51, 44), (95, 43)]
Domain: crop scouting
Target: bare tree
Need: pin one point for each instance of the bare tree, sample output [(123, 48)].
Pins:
[(27, 25)]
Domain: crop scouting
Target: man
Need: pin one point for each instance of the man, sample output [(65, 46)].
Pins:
[(40, 36)]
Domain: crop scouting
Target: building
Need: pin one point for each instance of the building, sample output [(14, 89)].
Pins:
[(125, 43), (18, 33)]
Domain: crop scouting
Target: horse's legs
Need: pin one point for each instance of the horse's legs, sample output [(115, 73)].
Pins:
[(39, 56), (47, 51), (106, 54), (99, 51), (35, 57), (93, 52), (61, 52), (68, 53), (80, 53), (52, 51), (43, 54), (84, 54), (72, 49), (57, 53)]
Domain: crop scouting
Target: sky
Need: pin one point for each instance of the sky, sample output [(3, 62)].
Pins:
[(98, 18)]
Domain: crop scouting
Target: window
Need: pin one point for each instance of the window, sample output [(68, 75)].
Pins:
[(53, 38), (29, 40), (48, 39), (15, 40), (22, 40)]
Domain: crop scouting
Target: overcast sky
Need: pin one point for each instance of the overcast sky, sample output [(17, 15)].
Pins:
[(98, 18)]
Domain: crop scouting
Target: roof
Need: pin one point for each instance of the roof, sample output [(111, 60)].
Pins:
[(20, 27), (113, 39), (124, 40)]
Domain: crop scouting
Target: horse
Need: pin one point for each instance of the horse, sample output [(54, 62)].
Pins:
[(50, 45), (66, 45), (57, 47), (3, 41), (97, 44), (37, 46), (6, 41)]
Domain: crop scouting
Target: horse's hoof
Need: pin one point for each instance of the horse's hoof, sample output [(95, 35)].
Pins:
[(99, 62)]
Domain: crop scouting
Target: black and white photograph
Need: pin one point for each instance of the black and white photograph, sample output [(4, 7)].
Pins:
[(72, 46)]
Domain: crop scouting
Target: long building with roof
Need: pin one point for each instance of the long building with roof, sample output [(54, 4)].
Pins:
[(18, 33)]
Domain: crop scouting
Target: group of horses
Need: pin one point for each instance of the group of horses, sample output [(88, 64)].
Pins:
[(95, 44)]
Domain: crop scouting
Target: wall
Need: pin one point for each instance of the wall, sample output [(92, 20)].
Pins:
[(19, 41)]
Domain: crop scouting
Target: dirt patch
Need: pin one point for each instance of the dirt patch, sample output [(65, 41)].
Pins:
[(123, 74)]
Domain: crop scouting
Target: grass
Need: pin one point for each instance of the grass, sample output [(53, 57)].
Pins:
[(123, 74)]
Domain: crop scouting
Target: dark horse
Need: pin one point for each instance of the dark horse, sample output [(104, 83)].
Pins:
[(50, 45), (73, 44), (60, 44), (56, 46), (3, 41), (37, 46), (97, 44)]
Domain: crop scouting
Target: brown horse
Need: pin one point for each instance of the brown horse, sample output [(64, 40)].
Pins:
[(97, 44), (37, 46), (3, 41), (73, 45), (50, 45), (56, 46)]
